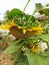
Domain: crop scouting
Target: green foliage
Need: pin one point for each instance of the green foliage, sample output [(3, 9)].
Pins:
[(14, 12), (20, 58), (46, 11), (1, 22), (41, 9), (38, 7), (44, 37), (37, 59), (13, 47), (32, 40), (47, 5), (23, 52), (23, 21)]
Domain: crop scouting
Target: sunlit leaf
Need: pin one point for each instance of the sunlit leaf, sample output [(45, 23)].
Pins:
[(13, 47), (36, 59), (21, 59), (44, 37), (38, 7)]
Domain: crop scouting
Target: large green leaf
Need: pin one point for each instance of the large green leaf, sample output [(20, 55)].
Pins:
[(13, 47), (37, 59), (14, 12), (44, 37), (20, 58), (39, 8)]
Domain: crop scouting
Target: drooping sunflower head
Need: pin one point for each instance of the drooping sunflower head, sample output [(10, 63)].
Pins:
[(22, 30), (19, 25)]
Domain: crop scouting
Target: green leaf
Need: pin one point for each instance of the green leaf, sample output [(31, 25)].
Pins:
[(44, 37), (20, 58), (36, 59), (46, 26), (46, 11), (38, 7), (14, 12), (46, 53), (13, 47), (47, 5), (28, 16)]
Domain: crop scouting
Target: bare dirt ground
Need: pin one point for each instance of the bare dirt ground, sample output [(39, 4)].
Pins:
[(6, 59)]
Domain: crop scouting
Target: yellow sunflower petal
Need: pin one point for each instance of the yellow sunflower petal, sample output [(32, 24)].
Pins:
[(5, 27), (8, 26), (24, 31), (35, 49), (12, 23), (36, 30), (30, 29), (19, 27)]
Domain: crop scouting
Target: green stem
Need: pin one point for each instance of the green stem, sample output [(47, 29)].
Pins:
[(26, 5), (30, 17)]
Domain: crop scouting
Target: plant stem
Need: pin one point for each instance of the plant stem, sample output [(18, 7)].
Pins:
[(25, 9), (30, 17), (26, 5)]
